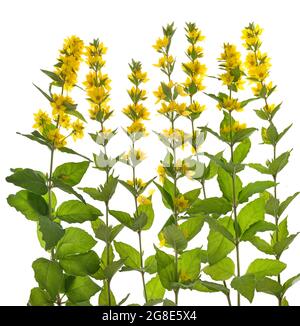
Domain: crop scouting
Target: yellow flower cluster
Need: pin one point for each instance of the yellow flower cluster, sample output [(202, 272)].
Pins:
[(63, 105), (257, 63), (194, 69), (181, 204), (236, 126), (69, 61), (231, 64), (96, 83), (136, 111), (229, 104)]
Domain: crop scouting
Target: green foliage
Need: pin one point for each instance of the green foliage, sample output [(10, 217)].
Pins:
[(129, 255), (166, 269), (71, 173), (221, 271)]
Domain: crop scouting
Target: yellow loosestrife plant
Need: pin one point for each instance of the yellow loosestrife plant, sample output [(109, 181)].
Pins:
[(71, 273)]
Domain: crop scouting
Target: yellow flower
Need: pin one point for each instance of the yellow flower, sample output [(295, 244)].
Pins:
[(236, 126), (94, 53), (195, 107), (56, 138), (251, 35), (181, 204), (195, 50), (159, 94), (162, 240), (164, 61), (269, 108), (143, 200), (136, 112), (161, 43), (227, 78), (77, 131), (59, 103), (139, 155), (230, 104), (161, 172), (137, 126), (258, 87), (64, 121), (195, 35), (195, 67), (41, 120), (138, 182), (96, 94)]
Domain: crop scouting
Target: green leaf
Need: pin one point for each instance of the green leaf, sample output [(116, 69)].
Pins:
[(192, 195), (37, 137), (103, 296), (205, 286), (251, 213), (45, 94), (260, 168), (123, 218), (66, 188), (139, 222), (51, 232), (191, 227), (74, 211), (284, 132), (174, 237), (218, 245), (210, 205), (226, 184), (241, 151), (166, 269), (221, 271), (150, 265), (29, 179), (93, 192), (262, 245), (81, 264), (74, 241), (148, 211), (129, 255), (32, 206), (81, 288), (53, 76), (71, 173), (71, 151), (109, 188), (75, 113), (279, 163), (39, 297), (254, 188), (290, 282), (281, 246), (217, 225), (189, 265), (49, 276), (268, 286), (286, 203), (260, 226), (167, 198), (128, 187), (154, 289), (265, 267), (242, 134), (112, 269), (245, 285)]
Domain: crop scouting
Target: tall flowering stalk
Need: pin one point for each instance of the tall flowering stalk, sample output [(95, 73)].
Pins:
[(143, 212), (97, 85), (184, 267), (65, 272), (258, 70)]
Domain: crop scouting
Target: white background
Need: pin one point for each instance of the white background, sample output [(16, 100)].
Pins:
[(31, 34)]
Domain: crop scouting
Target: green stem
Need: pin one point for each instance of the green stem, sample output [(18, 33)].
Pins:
[(227, 295), (139, 232), (234, 205), (176, 291)]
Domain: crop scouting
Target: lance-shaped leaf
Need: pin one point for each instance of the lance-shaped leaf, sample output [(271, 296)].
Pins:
[(74, 211), (191, 227), (39, 297), (29, 179), (154, 289), (245, 285), (241, 151), (81, 264), (58, 183), (80, 288), (148, 212), (166, 196), (260, 168), (129, 255), (242, 134), (290, 282), (71, 151), (189, 265), (71, 173), (269, 286), (226, 184), (218, 226), (150, 265), (205, 286), (279, 163), (51, 232), (286, 203), (53, 76), (37, 137), (254, 188), (111, 269), (221, 271), (265, 267), (220, 246), (251, 213), (74, 241), (103, 296), (49, 275), (217, 205), (174, 237), (123, 218), (260, 226), (262, 245), (166, 269), (32, 206)]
